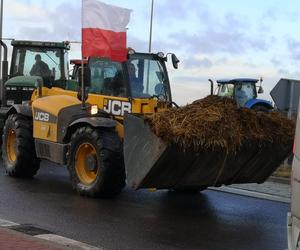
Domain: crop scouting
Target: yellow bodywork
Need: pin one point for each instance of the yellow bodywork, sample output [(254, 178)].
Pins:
[(138, 106), (45, 113)]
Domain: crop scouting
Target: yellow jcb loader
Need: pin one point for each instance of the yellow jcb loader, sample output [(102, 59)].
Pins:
[(81, 124)]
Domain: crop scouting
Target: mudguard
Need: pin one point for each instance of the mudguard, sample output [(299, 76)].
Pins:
[(249, 104), (96, 122), (25, 110)]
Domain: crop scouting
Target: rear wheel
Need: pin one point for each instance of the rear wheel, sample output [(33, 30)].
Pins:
[(96, 162), (18, 150)]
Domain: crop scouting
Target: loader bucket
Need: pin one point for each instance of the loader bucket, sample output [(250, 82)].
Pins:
[(152, 163)]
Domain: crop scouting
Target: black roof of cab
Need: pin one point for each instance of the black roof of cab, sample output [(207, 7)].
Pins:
[(43, 44), (237, 80)]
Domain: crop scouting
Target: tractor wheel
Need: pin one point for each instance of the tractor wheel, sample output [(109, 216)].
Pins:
[(96, 162), (18, 150), (261, 108)]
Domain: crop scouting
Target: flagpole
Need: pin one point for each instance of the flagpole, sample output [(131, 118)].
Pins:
[(82, 65), (151, 20), (150, 44)]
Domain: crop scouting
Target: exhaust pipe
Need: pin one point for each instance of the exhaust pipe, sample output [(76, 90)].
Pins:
[(211, 86), (4, 73)]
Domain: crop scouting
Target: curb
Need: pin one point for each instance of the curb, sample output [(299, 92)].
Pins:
[(253, 194), (279, 180), (46, 235)]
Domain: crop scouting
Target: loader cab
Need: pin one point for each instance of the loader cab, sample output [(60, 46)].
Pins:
[(142, 76), (32, 61), (147, 76)]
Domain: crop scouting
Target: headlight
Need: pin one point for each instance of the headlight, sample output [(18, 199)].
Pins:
[(94, 109)]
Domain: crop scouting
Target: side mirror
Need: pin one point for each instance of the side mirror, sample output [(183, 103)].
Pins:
[(175, 61), (82, 94), (86, 76), (39, 85), (260, 90)]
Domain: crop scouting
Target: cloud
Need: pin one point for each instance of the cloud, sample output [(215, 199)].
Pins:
[(271, 13), (294, 49), (275, 61), (230, 35), (193, 62), (137, 44), (20, 11), (170, 9), (183, 94), (62, 22)]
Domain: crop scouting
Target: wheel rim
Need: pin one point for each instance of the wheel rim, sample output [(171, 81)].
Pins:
[(11, 145), (84, 172)]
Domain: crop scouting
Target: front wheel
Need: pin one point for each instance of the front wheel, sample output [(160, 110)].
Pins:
[(96, 163), (18, 150)]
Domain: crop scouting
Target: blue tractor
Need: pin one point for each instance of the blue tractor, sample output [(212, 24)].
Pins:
[(244, 91)]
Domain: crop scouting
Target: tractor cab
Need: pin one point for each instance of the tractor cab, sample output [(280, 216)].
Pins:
[(33, 62), (244, 91)]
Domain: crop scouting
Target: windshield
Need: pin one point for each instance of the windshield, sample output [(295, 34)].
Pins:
[(44, 62), (226, 90), (244, 92), (106, 77), (147, 79)]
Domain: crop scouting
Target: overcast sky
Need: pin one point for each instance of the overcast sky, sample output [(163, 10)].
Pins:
[(212, 38)]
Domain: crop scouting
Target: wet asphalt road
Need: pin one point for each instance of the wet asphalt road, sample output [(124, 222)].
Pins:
[(143, 219)]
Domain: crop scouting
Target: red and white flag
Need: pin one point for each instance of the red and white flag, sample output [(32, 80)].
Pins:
[(104, 30)]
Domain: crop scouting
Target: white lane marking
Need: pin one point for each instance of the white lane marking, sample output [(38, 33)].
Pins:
[(252, 194), (7, 223), (67, 242)]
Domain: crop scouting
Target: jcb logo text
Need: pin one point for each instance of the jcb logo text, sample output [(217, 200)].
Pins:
[(41, 116), (116, 107)]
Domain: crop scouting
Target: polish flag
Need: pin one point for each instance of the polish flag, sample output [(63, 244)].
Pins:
[(104, 30)]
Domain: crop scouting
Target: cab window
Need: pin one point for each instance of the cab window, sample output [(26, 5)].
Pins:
[(107, 78), (37, 62), (147, 78)]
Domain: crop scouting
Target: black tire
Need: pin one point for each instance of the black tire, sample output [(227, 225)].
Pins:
[(261, 108), (107, 167), (24, 162)]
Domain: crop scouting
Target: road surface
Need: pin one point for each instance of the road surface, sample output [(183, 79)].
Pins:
[(142, 219)]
